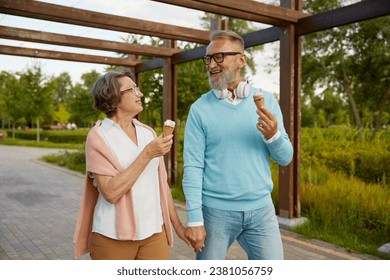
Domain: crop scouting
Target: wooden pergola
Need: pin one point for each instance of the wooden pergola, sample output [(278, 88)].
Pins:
[(288, 21)]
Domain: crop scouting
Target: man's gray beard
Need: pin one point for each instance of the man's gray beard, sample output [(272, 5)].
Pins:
[(223, 83)]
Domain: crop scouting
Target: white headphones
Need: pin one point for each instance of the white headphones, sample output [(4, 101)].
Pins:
[(241, 91)]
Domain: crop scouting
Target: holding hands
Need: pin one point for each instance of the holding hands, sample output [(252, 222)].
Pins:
[(196, 236)]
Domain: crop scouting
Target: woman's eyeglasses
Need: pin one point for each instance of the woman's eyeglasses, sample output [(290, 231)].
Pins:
[(218, 57), (135, 90)]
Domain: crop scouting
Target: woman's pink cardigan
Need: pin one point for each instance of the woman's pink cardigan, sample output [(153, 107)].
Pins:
[(100, 160)]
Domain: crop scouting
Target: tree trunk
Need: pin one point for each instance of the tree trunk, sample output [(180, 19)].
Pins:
[(38, 136), (347, 88), (13, 131), (378, 120)]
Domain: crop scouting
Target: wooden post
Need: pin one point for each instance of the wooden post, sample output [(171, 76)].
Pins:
[(170, 110), (290, 80)]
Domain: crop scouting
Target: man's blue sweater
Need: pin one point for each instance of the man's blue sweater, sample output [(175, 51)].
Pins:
[(226, 160)]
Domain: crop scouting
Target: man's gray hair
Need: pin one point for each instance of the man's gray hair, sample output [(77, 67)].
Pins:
[(230, 35)]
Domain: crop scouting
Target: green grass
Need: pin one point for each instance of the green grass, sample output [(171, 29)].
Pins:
[(71, 160), (346, 211), (42, 144)]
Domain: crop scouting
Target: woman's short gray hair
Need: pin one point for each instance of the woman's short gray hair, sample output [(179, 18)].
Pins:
[(106, 92)]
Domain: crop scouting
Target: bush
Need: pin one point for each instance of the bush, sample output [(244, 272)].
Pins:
[(55, 136), (340, 149)]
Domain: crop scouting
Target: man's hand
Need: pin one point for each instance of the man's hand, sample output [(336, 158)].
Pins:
[(267, 123), (196, 235)]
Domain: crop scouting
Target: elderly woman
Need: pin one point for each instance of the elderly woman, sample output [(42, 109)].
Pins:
[(127, 207)]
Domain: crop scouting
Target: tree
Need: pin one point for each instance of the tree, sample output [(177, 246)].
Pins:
[(371, 43), (79, 102), (11, 105), (61, 115), (63, 86), (38, 96), (350, 61)]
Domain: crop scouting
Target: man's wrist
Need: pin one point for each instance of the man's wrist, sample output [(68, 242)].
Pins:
[(195, 224), (273, 138)]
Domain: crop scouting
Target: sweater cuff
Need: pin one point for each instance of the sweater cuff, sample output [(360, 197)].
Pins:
[(273, 138), (195, 224), (194, 216)]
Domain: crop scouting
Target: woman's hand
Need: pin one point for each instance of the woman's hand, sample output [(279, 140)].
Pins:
[(159, 146), (181, 233), (197, 236)]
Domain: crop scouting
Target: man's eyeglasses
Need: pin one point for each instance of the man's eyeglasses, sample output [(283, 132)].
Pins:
[(218, 57), (135, 90)]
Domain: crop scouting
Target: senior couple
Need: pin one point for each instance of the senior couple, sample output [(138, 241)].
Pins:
[(127, 210)]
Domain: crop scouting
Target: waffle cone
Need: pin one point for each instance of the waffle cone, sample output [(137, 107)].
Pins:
[(259, 100), (167, 130)]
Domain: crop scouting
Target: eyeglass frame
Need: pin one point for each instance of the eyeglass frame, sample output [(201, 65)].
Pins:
[(135, 90), (212, 56)]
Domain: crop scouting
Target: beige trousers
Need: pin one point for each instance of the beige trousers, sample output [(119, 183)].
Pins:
[(154, 247)]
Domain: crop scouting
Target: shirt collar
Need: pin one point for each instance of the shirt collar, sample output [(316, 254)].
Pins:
[(108, 123)]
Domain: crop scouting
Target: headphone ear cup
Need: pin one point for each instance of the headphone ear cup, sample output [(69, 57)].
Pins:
[(242, 90)]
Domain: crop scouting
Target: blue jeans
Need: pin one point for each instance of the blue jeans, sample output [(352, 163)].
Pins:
[(256, 231)]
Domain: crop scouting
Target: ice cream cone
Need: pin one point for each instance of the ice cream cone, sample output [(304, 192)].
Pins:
[(258, 98), (168, 128)]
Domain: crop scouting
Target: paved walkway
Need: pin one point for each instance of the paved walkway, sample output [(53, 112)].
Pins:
[(39, 204)]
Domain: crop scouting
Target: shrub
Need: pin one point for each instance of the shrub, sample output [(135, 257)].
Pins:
[(55, 136)]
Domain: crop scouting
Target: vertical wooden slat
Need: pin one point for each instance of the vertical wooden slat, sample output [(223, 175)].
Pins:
[(297, 117), (289, 190), (287, 106), (170, 109)]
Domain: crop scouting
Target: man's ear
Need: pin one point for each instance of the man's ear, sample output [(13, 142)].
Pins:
[(242, 61)]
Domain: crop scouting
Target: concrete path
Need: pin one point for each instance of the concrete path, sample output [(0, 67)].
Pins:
[(39, 204)]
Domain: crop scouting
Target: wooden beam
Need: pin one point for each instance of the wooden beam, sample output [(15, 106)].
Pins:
[(82, 42), (38, 53), (243, 9), (257, 8), (361, 11), (58, 13), (154, 63), (251, 39)]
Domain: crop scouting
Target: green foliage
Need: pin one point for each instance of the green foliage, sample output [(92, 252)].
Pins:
[(37, 95), (347, 212), (189, 91), (152, 89), (41, 144), (72, 160), (340, 195), (61, 115), (79, 101), (54, 136), (62, 85), (10, 104), (345, 72), (340, 149)]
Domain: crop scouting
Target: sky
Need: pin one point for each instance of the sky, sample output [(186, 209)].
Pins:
[(139, 9)]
